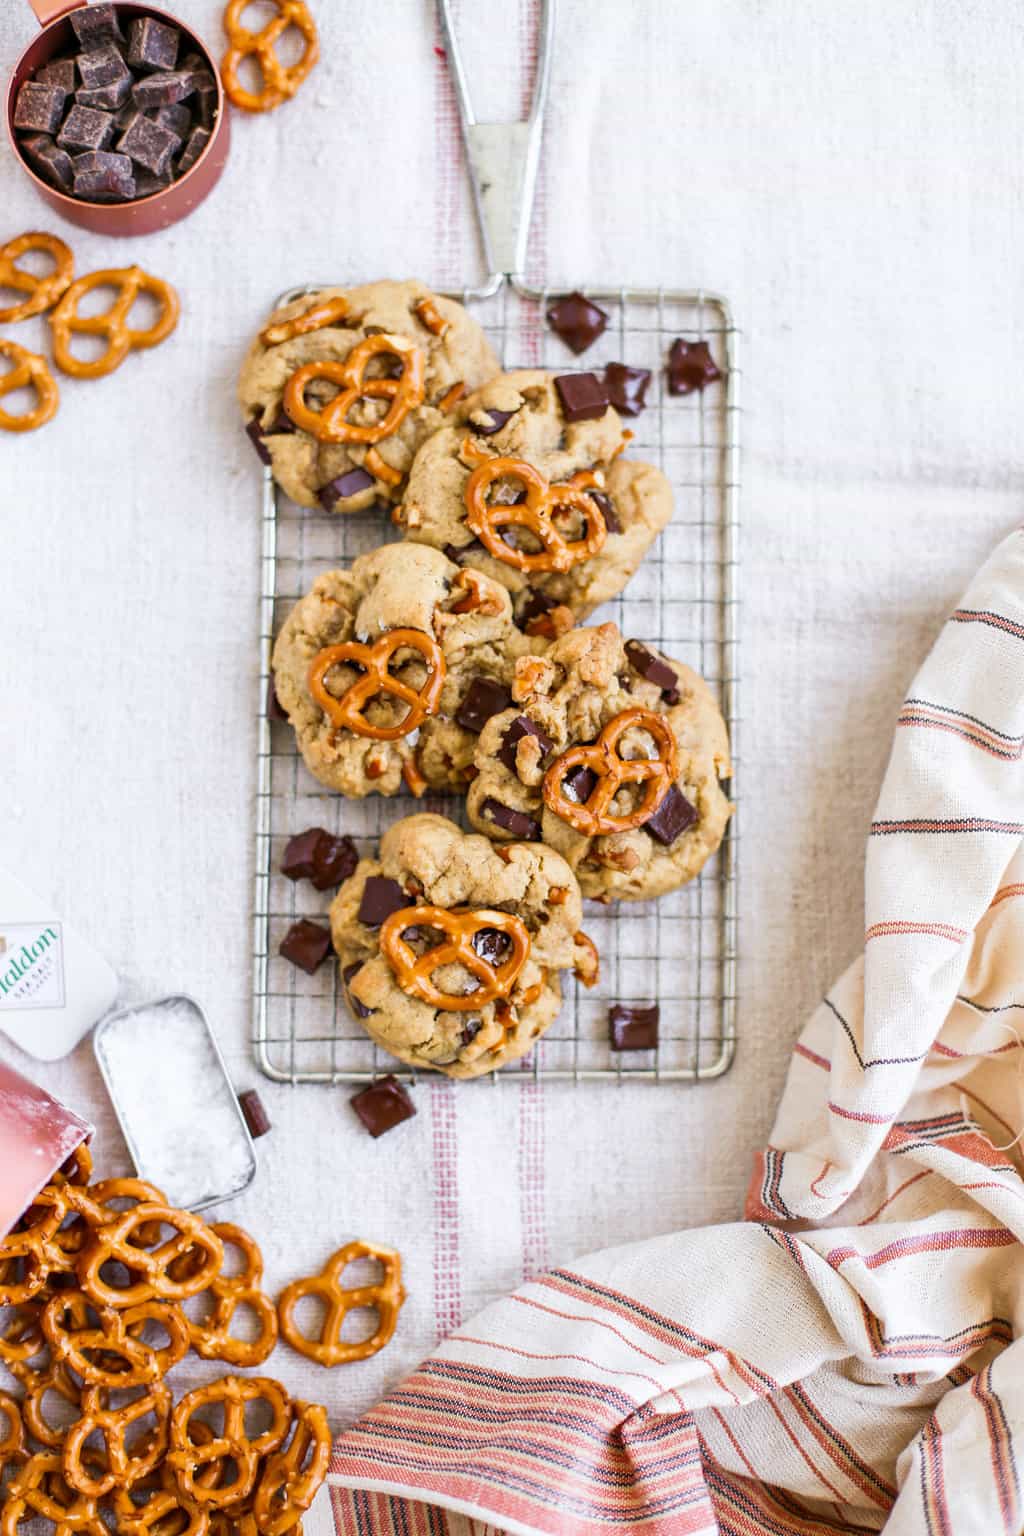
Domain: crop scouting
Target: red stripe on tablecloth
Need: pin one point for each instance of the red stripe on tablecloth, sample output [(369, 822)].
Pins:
[(1004, 1466), (958, 1240), (901, 925)]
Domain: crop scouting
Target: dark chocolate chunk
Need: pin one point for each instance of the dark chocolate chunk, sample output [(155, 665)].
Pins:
[(654, 669), (671, 819), (177, 117), (96, 24), (483, 698), (359, 1009), (380, 898), (146, 183), (151, 44), (102, 66), (690, 367), (495, 421), (536, 603), (604, 501), (383, 1105), (149, 145), (53, 164), (204, 99), (492, 945), (39, 108), (516, 822), (578, 783), (583, 396), (274, 709), (125, 116), (631, 1028), (256, 1117), (577, 321), (470, 1030), (86, 128), (520, 727), (107, 98), (306, 945), (316, 855), (59, 72), (104, 177), (161, 90), (455, 552), (627, 387), (197, 142), (254, 432), (349, 484)]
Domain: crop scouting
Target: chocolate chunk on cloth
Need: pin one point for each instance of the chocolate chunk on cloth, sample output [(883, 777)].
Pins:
[(197, 142), (380, 898), (517, 823), (627, 387), (383, 1105), (632, 1028), (162, 90), (306, 945), (654, 669), (104, 177), (690, 367), (102, 66), (107, 98), (254, 1114), (95, 24), (86, 128), (483, 698), (608, 512), (577, 321), (53, 164), (62, 73), (346, 485), (152, 44), (520, 727), (672, 818), (583, 396), (148, 144), (317, 856), (39, 108), (359, 1009)]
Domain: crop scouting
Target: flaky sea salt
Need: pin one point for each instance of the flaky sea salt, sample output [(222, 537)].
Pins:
[(176, 1106)]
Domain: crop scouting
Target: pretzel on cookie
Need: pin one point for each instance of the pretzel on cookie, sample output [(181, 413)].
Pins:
[(593, 816), (415, 973), (128, 283), (385, 1296), (327, 312), (28, 371), (536, 513), (42, 292), (330, 424), (280, 81), (346, 712)]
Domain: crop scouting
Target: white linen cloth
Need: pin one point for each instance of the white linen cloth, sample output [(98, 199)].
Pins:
[(851, 1357)]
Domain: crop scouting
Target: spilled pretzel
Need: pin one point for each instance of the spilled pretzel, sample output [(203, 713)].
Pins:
[(385, 1297), (346, 712), (536, 514), (189, 1458), (128, 283), (211, 1337), (28, 371), (593, 816), (150, 1269), (42, 292), (109, 1353), (292, 1475), (415, 973), (330, 424), (280, 81), (327, 312), (12, 1431)]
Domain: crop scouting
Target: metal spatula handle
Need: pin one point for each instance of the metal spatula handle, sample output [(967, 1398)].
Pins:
[(503, 157)]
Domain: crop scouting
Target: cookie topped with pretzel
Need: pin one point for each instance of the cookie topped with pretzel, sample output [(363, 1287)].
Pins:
[(373, 666), (518, 487), (342, 386), (618, 753), (451, 948)]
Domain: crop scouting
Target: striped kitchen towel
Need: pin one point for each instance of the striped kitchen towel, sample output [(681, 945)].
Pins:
[(849, 1358)]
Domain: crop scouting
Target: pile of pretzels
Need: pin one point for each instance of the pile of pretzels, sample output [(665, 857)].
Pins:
[(93, 1286)]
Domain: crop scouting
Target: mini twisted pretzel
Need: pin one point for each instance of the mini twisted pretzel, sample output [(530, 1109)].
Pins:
[(42, 291), (313, 319), (12, 1440), (111, 1354), (28, 371), (292, 1477), (536, 514), (330, 424), (347, 712), (385, 1297), (280, 82), (21, 1337), (414, 973), (77, 1169), (129, 282), (122, 1468), (166, 1511), (211, 1338), (592, 816), (28, 1257), (150, 1268), (30, 1495), (189, 1459), (38, 1384)]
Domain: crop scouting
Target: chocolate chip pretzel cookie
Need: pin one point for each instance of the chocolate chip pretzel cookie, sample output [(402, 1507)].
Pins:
[(522, 488), (401, 356), (374, 667), (451, 948), (613, 754)]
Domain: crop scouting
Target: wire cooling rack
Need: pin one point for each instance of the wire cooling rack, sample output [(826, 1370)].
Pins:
[(679, 951)]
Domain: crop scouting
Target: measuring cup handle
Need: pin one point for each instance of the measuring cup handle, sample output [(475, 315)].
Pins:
[(50, 10)]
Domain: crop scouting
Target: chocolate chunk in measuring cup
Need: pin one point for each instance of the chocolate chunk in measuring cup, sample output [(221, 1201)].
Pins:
[(174, 1101)]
